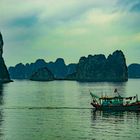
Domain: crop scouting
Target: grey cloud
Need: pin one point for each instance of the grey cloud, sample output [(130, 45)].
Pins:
[(69, 15), (24, 28), (128, 5), (136, 7), (25, 21)]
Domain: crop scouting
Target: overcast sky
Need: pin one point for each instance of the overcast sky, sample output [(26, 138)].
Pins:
[(69, 29)]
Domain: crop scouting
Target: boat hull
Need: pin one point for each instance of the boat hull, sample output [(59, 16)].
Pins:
[(130, 107)]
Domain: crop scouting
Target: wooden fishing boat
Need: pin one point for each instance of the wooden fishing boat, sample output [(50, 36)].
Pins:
[(116, 103)]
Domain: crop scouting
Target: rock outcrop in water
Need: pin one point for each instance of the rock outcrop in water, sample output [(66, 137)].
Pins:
[(98, 68), (4, 75), (134, 71), (42, 74)]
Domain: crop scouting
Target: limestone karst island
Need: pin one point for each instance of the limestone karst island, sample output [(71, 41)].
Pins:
[(4, 75), (96, 68)]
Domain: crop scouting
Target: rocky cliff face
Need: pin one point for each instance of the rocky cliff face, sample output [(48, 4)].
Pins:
[(58, 68), (91, 68), (4, 75), (116, 67), (42, 74), (98, 68), (71, 68)]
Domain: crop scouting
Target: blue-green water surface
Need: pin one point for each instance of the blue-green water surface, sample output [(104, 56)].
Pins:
[(61, 110)]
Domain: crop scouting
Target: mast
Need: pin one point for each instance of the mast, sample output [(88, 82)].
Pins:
[(136, 97)]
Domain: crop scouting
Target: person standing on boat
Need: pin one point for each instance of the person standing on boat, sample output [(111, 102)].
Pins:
[(116, 91)]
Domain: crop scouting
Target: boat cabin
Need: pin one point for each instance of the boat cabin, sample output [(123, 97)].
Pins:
[(105, 101)]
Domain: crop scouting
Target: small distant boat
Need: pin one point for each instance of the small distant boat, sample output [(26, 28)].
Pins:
[(116, 103)]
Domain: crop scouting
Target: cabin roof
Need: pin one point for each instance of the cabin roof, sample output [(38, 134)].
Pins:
[(111, 98)]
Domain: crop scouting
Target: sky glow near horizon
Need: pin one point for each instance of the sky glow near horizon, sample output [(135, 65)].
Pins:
[(50, 29)]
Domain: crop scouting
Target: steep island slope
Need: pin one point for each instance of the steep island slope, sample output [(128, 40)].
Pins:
[(4, 75)]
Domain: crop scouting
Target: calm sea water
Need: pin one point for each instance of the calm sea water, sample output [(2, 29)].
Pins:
[(61, 110)]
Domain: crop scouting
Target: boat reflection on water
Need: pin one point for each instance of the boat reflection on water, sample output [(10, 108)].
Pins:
[(116, 115), (116, 125)]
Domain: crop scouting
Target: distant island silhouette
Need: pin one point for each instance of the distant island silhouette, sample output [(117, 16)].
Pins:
[(134, 70), (94, 68), (58, 68)]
